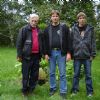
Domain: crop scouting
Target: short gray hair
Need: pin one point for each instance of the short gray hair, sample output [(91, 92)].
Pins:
[(34, 15)]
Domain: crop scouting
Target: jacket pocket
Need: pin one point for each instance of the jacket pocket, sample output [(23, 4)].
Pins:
[(86, 51), (27, 48)]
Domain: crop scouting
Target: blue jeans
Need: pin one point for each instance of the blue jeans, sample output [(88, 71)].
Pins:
[(88, 79), (57, 58)]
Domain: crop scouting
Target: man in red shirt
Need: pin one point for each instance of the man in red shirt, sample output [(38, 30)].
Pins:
[(29, 50)]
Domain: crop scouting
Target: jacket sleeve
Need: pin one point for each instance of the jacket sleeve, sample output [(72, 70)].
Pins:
[(93, 44), (71, 41), (67, 34), (19, 44), (41, 41), (46, 42)]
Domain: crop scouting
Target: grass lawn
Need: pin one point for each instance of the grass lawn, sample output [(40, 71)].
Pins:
[(10, 81)]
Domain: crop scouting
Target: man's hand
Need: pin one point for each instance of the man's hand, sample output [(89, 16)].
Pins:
[(68, 57), (19, 59), (46, 57), (91, 58)]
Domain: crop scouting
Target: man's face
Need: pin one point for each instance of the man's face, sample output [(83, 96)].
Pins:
[(33, 21), (55, 18), (82, 20)]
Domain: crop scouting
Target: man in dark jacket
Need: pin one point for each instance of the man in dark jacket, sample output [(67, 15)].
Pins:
[(56, 48), (29, 50), (84, 50)]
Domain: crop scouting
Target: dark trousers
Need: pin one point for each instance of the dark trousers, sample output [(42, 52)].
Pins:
[(87, 69), (30, 71)]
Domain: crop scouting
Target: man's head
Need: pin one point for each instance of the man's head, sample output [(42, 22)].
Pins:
[(81, 17), (33, 19), (55, 16)]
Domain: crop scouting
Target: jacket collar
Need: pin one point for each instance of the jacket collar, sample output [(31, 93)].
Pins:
[(30, 27), (87, 28)]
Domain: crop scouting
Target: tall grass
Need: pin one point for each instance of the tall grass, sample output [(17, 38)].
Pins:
[(10, 81)]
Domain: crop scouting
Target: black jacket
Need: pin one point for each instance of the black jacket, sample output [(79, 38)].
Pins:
[(85, 47), (64, 37), (24, 42)]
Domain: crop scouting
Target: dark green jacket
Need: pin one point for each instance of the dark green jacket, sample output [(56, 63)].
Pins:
[(85, 47)]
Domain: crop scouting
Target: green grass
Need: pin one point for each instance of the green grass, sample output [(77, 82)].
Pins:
[(10, 81)]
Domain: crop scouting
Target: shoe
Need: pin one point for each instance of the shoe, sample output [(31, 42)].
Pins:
[(30, 90), (90, 95), (25, 94), (63, 95), (73, 93), (52, 92)]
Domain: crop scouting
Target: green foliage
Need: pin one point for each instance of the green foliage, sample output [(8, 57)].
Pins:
[(45, 67), (69, 69), (14, 15), (97, 29), (98, 39), (42, 26), (43, 63)]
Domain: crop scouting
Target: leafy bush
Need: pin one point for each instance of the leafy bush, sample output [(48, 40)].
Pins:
[(69, 69), (42, 26)]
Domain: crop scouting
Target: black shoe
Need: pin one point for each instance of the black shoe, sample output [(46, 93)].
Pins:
[(74, 91), (30, 90), (24, 92), (63, 95), (52, 92)]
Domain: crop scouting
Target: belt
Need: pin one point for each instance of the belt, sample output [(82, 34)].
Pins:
[(56, 49)]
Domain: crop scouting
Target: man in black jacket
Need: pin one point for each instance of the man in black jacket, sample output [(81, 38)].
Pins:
[(84, 50), (29, 50), (56, 47)]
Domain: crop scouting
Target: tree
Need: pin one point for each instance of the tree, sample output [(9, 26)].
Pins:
[(98, 27), (13, 14)]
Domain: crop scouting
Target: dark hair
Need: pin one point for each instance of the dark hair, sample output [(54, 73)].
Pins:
[(55, 11)]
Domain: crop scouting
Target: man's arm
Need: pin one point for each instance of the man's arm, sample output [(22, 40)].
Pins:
[(68, 56), (46, 44), (19, 45), (93, 44)]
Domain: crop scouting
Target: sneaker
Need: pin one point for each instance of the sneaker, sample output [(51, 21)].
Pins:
[(73, 94), (63, 95), (52, 92), (90, 95)]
